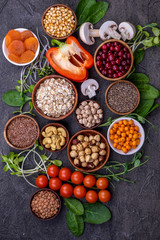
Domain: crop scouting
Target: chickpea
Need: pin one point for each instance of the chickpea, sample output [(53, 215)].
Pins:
[(91, 138), (88, 158), (84, 121), (97, 138), (94, 156), (96, 105), (79, 147), (73, 154), (85, 144), (95, 149), (74, 147), (86, 139), (101, 158), (82, 159), (92, 142), (96, 162), (80, 138), (80, 121), (78, 111), (102, 145), (76, 162), (84, 103), (93, 110), (100, 116), (102, 152), (99, 111), (91, 103), (87, 151), (98, 144), (84, 164), (81, 153)]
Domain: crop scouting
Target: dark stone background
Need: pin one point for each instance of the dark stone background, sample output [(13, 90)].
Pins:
[(135, 207)]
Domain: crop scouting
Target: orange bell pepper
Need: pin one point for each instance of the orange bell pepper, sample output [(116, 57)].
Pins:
[(70, 59)]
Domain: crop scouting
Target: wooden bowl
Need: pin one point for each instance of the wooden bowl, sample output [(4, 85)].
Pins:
[(5, 131), (87, 133), (46, 189), (39, 111), (52, 36), (121, 81), (55, 125), (81, 125), (95, 55)]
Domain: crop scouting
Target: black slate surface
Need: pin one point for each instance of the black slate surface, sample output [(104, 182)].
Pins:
[(135, 207)]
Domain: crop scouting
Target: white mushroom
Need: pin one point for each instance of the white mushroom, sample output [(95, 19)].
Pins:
[(127, 30), (109, 28), (87, 33), (89, 87)]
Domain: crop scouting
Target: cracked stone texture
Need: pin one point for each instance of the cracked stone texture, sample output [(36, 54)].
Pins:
[(135, 207)]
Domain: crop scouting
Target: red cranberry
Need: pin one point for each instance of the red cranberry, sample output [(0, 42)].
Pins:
[(108, 65), (123, 62), (108, 45), (105, 51), (98, 57), (115, 68), (127, 67), (115, 54), (124, 56), (128, 61), (99, 63), (111, 48), (101, 68), (121, 68), (110, 71), (120, 58), (120, 54), (109, 75), (104, 47), (116, 43), (113, 62), (128, 55), (104, 62), (109, 53), (124, 71), (125, 49), (115, 75), (100, 53), (118, 61), (104, 55), (104, 72), (107, 60), (117, 48), (111, 57), (120, 74)]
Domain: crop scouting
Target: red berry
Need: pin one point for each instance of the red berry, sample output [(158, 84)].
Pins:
[(110, 71), (125, 49), (128, 61), (110, 76), (113, 62), (121, 68), (117, 48), (115, 67), (120, 54), (124, 56), (124, 63), (126, 67), (111, 48), (104, 55), (98, 57), (120, 74), (99, 63), (104, 47), (115, 75), (100, 53), (111, 57), (128, 55), (108, 44), (108, 65), (118, 61), (115, 43), (104, 72)]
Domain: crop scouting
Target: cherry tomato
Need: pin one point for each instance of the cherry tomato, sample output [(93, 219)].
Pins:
[(102, 183), (89, 181), (41, 181), (52, 171), (55, 183), (79, 192), (104, 196), (65, 174), (91, 196), (66, 190), (77, 177)]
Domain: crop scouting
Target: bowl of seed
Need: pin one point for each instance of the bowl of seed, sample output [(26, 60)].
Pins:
[(122, 97), (59, 21)]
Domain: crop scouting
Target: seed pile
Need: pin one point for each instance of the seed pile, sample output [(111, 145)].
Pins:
[(22, 132), (55, 97), (89, 113), (88, 151), (122, 97), (45, 204), (59, 21)]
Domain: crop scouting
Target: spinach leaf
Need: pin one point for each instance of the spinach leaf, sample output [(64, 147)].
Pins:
[(74, 206), (144, 107), (138, 56), (75, 223), (97, 12), (96, 213), (156, 105), (148, 92), (139, 78), (13, 98), (83, 9)]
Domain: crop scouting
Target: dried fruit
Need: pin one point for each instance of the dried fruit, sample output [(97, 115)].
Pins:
[(27, 56), (11, 36), (14, 58), (31, 44), (26, 34), (16, 47)]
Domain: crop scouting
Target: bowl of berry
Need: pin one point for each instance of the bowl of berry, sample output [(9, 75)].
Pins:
[(113, 60)]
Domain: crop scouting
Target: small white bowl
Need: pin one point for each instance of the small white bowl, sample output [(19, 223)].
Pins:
[(142, 138), (5, 50)]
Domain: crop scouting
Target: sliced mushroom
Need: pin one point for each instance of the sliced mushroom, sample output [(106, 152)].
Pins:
[(127, 30), (89, 87), (87, 33), (109, 28)]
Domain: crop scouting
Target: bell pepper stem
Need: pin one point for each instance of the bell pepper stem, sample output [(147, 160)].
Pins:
[(57, 42)]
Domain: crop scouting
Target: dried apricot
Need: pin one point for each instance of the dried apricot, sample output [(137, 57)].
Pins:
[(16, 47), (31, 44), (14, 58), (26, 34), (27, 56), (11, 36)]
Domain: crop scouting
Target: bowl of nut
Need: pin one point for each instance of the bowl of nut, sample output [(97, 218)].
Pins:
[(88, 150), (54, 97), (54, 137), (59, 21), (45, 204), (89, 114)]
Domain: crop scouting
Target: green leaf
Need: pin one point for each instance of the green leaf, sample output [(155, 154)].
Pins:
[(139, 78), (148, 42), (151, 25), (30, 89), (156, 105), (13, 98), (156, 40), (126, 167), (6, 168), (137, 163), (96, 213), (138, 56), (18, 88), (75, 223), (147, 91), (146, 33), (74, 206), (44, 157), (11, 156), (83, 9), (40, 147), (31, 106), (4, 157), (97, 12), (58, 163), (139, 27), (26, 98), (144, 107), (155, 31), (141, 119), (20, 159)]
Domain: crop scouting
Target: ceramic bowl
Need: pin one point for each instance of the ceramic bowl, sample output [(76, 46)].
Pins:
[(5, 50)]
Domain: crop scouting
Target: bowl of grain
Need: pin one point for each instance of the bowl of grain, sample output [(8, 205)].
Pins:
[(21, 131), (122, 97), (45, 204), (54, 97), (59, 21)]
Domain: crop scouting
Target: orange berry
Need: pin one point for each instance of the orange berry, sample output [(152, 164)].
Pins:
[(134, 147), (120, 122), (130, 135), (131, 131), (119, 147), (135, 136), (111, 131), (137, 142), (128, 132), (130, 122), (126, 128), (114, 130), (111, 137), (139, 135), (127, 139), (116, 140), (115, 125), (123, 135), (116, 136), (123, 139), (124, 150), (125, 122), (115, 145), (128, 147), (122, 125), (132, 128), (134, 143), (136, 128), (118, 132)]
